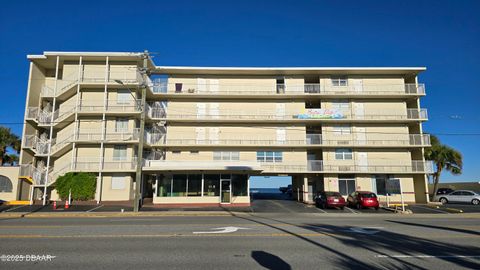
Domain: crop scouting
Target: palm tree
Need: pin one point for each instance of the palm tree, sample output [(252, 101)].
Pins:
[(445, 158), (8, 140)]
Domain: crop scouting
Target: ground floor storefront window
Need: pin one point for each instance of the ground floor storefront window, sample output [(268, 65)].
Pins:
[(346, 184), (200, 185)]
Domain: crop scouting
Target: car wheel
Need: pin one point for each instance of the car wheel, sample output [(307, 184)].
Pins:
[(376, 208), (443, 200), (359, 206), (475, 202), (342, 208)]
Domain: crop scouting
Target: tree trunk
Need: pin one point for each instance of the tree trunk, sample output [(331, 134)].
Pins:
[(436, 179), (1, 160)]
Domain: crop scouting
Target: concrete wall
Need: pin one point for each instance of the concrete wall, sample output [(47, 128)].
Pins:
[(12, 174)]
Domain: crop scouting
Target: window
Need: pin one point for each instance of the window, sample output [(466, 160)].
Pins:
[(341, 105), (343, 154), (121, 125), (339, 81), (381, 185), (119, 152), (239, 184), (179, 183), (124, 96), (194, 185), (342, 130), (269, 156), (165, 187), (346, 184), (5, 184), (211, 185), (280, 85), (118, 182), (226, 155)]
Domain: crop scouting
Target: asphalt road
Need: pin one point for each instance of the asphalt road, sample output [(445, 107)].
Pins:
[(266, 241)]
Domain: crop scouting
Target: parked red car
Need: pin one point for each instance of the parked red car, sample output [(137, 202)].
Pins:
[(363, 199), (325, 199)]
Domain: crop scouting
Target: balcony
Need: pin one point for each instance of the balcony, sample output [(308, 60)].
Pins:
[(311, 166), (89, 135), (114, 106), (353, 140), (306, 115), (267, 89), (114, 77), (96, 164), (415, 166)]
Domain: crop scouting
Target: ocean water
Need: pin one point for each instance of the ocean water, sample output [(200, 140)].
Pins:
[(264, 190)]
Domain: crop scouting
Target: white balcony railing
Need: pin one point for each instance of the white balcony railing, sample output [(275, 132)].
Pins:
[(108, 135), (307, 114), (110, 106), (209, 88), (156, 111), (95, 164), (415, 166), (311, 139), (33, 173)]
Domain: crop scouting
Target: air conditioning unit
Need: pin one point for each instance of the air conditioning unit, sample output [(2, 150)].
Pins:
[(343, 142), (344, 168)]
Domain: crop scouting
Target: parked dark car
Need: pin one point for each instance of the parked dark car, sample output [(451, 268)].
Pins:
[(442, 191), (363, 199), (287, 189), (326, 199)]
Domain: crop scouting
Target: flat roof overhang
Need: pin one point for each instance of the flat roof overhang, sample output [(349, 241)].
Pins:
[(275, 71), (48, 59)]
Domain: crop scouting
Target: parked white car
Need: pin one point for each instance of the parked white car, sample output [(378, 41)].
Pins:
[(460, 196)]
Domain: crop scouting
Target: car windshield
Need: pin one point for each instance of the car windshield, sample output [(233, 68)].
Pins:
[(368, 195), (332, 194)]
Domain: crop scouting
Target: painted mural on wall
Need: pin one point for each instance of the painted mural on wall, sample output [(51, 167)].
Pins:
[(320, 114)]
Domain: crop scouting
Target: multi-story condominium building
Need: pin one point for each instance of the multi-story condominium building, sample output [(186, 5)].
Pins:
[(195, 135)]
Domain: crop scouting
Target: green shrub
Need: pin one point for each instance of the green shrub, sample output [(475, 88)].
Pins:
[(81, 184)]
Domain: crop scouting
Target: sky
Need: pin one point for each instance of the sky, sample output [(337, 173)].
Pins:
[(443, 36)]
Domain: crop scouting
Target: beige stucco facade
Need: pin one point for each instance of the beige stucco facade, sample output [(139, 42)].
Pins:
[(212, 128)]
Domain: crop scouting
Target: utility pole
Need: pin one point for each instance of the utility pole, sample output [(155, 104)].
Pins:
[(138, 176)]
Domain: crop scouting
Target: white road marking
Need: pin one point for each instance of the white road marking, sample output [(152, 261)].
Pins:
[(224, 230), (435, 210), (351, 210), (427, 256), (95, 208), (18, 207), (321, 210)]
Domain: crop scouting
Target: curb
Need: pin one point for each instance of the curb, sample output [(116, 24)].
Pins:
[(111, 214), (454, 210)]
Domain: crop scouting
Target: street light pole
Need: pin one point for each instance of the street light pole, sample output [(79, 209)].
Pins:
[(138, 174)]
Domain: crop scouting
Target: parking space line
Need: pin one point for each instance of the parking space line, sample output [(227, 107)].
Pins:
[(14, 208), (321, 210), (95, 208), (431, 209), (351, 210), (427, 256)]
